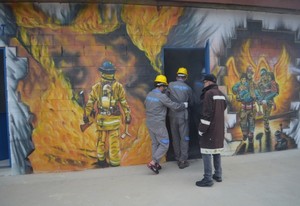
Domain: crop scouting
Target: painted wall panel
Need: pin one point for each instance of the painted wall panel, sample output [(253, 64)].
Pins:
[(55, 51)]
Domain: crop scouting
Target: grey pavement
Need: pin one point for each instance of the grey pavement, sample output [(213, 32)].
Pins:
[(258, 180)]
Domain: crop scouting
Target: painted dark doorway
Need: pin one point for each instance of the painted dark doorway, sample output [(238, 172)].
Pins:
[(194, 59), (4, 151)]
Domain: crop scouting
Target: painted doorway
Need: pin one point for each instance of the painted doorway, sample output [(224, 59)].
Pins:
[(4, 143), (195, 60)]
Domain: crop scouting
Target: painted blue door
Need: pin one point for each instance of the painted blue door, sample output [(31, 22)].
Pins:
[(4, 151)]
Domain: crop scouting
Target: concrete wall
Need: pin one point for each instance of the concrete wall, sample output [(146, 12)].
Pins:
[(54, 50)]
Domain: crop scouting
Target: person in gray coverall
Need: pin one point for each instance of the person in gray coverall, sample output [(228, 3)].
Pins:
[(156, 104), (180, 92)]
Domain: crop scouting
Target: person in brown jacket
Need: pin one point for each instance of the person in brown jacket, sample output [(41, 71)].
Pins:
[(211, 130)]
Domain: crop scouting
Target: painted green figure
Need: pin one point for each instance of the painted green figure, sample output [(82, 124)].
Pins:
[(268, 90), (245, 92)]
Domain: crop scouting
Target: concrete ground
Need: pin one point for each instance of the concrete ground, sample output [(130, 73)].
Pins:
[(265, 179)]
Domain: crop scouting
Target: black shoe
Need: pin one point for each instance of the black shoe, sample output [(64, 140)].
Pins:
[(183, 164), (204, 183), (102, 164), (158, 166), (250, 148), (153, 168), (218, 179)]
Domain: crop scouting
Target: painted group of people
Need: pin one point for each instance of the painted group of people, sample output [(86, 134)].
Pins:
[(248, 93), (177, 97)]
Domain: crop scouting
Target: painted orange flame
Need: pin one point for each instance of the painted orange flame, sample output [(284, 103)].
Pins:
[(60, 145), (149, 28)]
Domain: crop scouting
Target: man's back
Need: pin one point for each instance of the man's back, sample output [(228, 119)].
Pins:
[(179, 91)]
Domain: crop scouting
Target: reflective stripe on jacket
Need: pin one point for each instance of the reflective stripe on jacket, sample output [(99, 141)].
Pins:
[(213, 104)]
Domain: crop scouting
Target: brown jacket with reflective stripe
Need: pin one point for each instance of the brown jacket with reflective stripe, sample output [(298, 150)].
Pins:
[(213, 104)]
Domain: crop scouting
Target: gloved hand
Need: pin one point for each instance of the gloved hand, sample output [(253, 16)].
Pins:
[(127, 119), (186, 104), (200, 133), (264, 102), (85, 119)]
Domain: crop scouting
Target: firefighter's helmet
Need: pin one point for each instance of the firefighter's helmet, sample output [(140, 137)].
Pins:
[(161, 80), (182, 72), (243, 76), (250, 70), (263, 71), (107, 68)]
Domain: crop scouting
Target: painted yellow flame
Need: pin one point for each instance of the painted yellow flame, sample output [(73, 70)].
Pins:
[(30, 17), (149, 27), (90, 21), (283, 77), (60, 145)]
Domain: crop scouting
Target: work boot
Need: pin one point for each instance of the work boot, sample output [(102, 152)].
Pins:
[(204, 183), (241, 149), (102, 164), (153, 168), (158, 166), (183, 164), (218, 179), (250, 148)]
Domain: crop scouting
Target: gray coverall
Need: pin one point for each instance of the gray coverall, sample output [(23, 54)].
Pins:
[(156, 110), (180, 92)]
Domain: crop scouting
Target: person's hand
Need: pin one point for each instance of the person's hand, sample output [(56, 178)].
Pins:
[(264, 102), (85, 119), (186, 104), (127, 119), (200, 133)]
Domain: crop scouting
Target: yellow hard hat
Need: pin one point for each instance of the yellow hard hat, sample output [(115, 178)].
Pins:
[(183, 71), (161, 80)]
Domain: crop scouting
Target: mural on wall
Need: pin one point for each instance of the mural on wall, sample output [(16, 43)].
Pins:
[(261, 88), (78, 75)]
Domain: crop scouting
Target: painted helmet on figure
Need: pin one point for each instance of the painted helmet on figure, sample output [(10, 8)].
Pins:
[(182, 72), (161, 80), (107, 68), (250, 69), (263, 71), (243, 76)]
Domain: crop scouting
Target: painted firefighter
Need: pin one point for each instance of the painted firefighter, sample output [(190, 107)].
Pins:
[(105, 101), (246, 93), (268, 89)]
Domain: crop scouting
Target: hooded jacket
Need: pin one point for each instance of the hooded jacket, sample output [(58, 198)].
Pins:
[(212, 104)]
